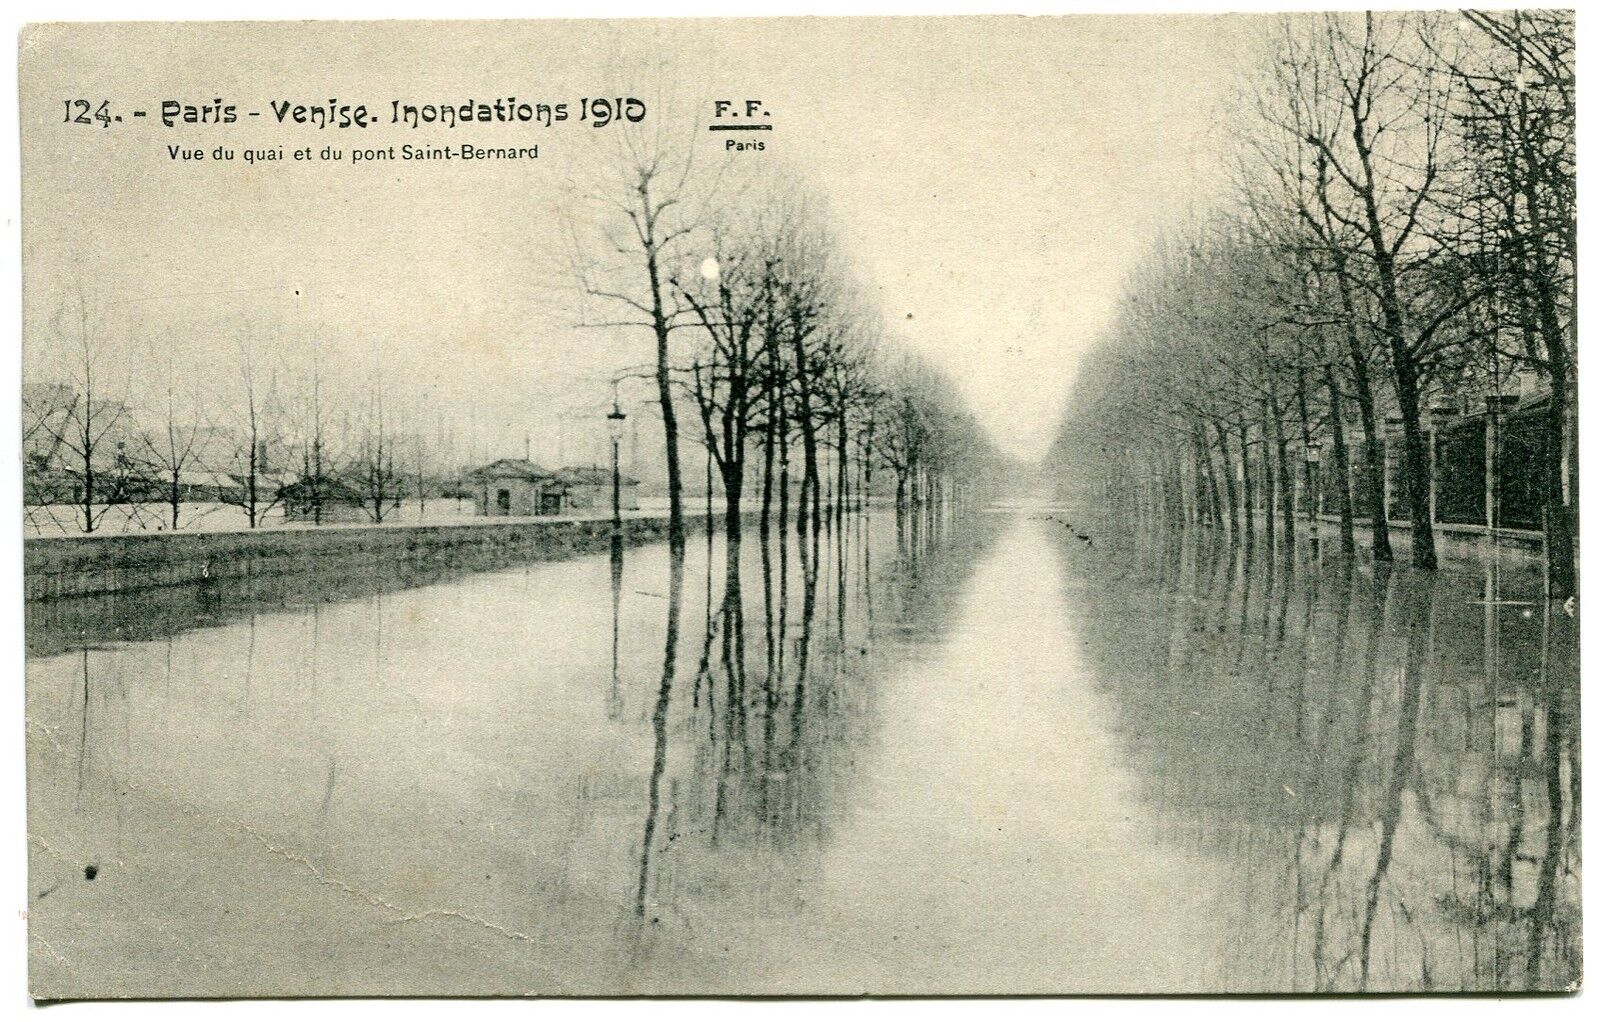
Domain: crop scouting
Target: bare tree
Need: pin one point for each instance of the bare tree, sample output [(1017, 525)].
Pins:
[(317, 451), (1517, 199), (1404, 228), (653, 205), (1378, 121), (46, 406), (374, 470), (730, 302), (804, 295), (171, 448), (253, 413), (91, 420)]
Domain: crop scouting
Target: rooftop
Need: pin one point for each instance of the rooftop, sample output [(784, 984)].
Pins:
[(591, 475), (511, 468)]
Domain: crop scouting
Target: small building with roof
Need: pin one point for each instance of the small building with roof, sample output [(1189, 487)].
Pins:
[(588, 488), (324, 500), (515, 488)]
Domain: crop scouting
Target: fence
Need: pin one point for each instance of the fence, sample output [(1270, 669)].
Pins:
[(1494, 460)]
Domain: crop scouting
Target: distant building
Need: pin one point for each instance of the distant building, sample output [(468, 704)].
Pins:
[(47, 410), (234, 487), (588, 488), (515, 487), (325, 502)]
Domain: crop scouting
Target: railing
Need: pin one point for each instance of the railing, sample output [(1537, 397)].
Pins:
[(1486, 469)]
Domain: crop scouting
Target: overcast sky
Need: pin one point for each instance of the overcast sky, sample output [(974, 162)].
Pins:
[(992, 179)]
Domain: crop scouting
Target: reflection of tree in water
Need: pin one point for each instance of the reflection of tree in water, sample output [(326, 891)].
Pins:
[(658, 719), (1387, 760), (755, 753)]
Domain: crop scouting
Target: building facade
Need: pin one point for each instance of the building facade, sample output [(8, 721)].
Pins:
[(588, 489), (515, 488)]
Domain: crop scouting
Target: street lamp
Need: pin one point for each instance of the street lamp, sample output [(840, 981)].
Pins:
[(1313, 459), (614, 421)]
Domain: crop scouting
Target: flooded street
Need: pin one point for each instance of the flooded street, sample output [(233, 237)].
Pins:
[(1010, 753)]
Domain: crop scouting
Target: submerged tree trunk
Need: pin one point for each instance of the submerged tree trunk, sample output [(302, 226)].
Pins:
[(1307, 468), (1559, 548), (1269, 481), (866, 468), (669, 417), (1408, 397), (842, 486), (768, 456), (1247, 480), (1213, 492), (1341, 465), (1285, 479), (733, 493), (1227, 478)]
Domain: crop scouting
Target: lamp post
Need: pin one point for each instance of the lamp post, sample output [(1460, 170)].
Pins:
[(1313, 460), (614, 698), (614, 421)]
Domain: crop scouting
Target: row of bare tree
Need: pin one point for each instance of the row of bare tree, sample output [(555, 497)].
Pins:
[(166, 452), (761, 331), (1402, 232), (761, 335)]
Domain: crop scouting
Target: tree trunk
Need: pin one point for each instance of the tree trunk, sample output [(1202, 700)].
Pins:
[(1559, 553), (88, 478), (1372, 455), (810, 481), (1285, 479), (1268, 478), (768, 455), (842, 487), (1208, 471), (733, 491), (1307, 470), (1402, 363), (866, 469), (1248, 481), (1560, 557), (250, 480), (783, 490), (1227, 478), (1341, 465), (669, 417), (1407, 396)]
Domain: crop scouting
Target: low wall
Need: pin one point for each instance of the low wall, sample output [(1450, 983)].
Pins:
[(1449, 538), (65, 566)]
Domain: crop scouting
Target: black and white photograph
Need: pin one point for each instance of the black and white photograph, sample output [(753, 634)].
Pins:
[(800, 507)]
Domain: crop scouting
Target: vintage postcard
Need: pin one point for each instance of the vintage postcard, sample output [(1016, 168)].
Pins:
[(832, 506)]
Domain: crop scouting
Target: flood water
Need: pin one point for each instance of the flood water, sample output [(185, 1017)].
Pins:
[(1010, 752)]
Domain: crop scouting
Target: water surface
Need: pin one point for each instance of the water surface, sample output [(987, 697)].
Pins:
[(1001, 754)]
